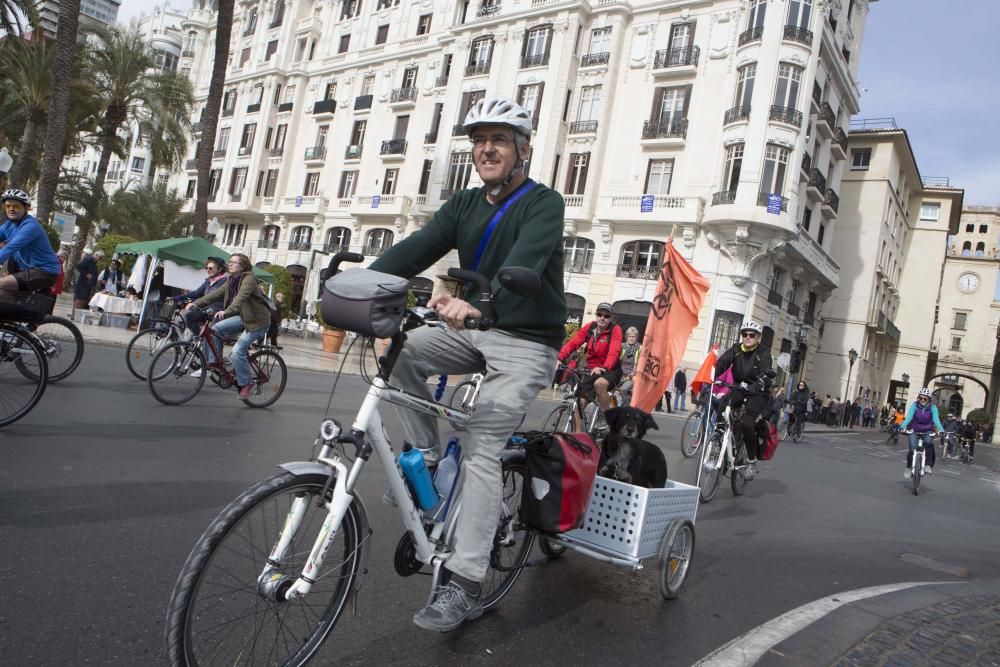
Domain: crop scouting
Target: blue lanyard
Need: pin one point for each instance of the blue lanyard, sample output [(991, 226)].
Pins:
[(525, 187)]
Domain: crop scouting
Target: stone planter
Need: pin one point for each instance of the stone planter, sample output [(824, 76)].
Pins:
[(333, 339)]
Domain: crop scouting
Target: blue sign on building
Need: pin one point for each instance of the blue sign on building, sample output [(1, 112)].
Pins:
[(298, 201), (646, 204), (774, 204), (375, 201)]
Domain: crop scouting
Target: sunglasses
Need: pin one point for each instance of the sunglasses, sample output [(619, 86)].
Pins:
[(749, 334), (923, 398), (603, 316)]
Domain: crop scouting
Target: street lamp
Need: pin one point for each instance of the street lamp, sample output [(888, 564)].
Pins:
[(213, 228), (852, 356), (6, 162)]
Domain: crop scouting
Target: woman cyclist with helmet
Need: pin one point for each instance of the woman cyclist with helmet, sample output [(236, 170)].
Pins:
[(25, 241), (750, 363), (923, 418)]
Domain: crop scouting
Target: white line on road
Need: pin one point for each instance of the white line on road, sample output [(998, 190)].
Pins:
[(751, 646), (950, 472)]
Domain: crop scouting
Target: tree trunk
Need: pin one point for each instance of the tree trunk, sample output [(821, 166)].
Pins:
[(55, 132), (25, 153), (210, 114)]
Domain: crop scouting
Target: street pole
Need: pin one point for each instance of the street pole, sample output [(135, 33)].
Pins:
[(852, 356)]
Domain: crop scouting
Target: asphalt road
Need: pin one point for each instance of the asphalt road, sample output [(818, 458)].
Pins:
[(103, 491)]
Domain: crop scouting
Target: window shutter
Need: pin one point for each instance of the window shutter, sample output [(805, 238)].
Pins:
[(538, 102), (583, 175), (687, 100), (524, 44), (548, 43), (649, 169), (654, 113), (569, 174)]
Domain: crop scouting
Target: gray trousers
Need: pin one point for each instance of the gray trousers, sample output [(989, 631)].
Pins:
[(516, 370)]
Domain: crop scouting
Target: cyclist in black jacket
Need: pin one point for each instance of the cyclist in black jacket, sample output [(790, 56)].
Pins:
[(750, 364)]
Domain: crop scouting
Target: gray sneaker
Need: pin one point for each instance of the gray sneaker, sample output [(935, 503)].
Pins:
[(750, 471), (452, 606)]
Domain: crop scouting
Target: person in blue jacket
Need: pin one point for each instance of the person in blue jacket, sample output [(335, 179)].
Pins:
[(215, 269), (923, 418), (25, 241)]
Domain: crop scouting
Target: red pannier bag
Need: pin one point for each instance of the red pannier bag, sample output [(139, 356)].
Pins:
[(770, 442), (560, 470)]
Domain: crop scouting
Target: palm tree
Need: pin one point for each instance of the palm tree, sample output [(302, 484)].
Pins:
[(11, 10), (165, 125), (210, 114), (146, 213)]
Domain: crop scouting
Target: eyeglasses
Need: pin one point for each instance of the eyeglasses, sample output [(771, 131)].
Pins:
[(498, 140), (603, 316), (922, 398), (210, 266), (749, 334)]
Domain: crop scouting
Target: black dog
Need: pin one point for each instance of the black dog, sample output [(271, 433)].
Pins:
[(625, 456)]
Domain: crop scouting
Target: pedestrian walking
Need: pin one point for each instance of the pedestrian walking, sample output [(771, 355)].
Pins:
[(680, 390)]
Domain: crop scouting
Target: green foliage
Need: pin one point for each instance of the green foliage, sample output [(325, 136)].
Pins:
[(282, 284), (108, 243), (571, 329), (53, 236), (979, 417), (147, 213)]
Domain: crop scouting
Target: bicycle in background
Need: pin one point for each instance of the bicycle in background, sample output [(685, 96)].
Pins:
[(168, 327)]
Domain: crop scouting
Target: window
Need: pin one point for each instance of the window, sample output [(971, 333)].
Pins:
[(402, 125), (311, 187), (480, 54), (358, 133), (960, 319), (138, 164), (669, 108), (409, 77), (257, 94), (983, 229), (799, 12), (269, 236), (772, 180), (822, 232), (860, 159), (967, 249), (734, 164), (377, 241), (658, 175), (590, 102), (278, 16), (244, 56), (279, 137), (530, 97), (223, 142), (189, 192), (744, 85), (382, 34), (272, 48), (270, 182), (969, 229), (277, 93), (229, 102), (565, 113), (300, 49), (786, 94), (214, 180), (386, 4), (348, 183), (578, 255), (726, 328), (424, 24), (469, 100), (758, 8), (576, 177), (956, 344), (807, 219), (233, 234), (251, 22), (681, 37), (535, 47), (350, 9), (345, 43), (246, 141), (930, 212), (640, 259), (600, 40), (389, 182), (425, 177), (367, 84), (259, 190), (330, 90), (980, 249), (459, 171), (338, 238)]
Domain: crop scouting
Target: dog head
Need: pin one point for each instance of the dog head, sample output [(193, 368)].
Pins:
[(631, 422)]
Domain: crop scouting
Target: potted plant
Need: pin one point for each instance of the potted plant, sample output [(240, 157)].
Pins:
[(333, 338)]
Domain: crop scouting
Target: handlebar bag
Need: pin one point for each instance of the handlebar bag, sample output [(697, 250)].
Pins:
[(19, 306), (560, 471), (369, 303)]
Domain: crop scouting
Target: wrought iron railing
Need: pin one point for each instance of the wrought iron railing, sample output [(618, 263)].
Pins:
[(219, 152), (793, 309), (300, 245), (638, 272), (806, 162), (475, 69), (352, 153), (817, 180), (763, 199), (774, 296), (431, 137), (441, 81), (840, 139), (786, 115), (325, 106), (405, 94), (741, 112), (723, 197), (582, 126), (393, 147), (591, 59), (826, 114), (363, 102), (577, 265), (267, 243), (676, 57), (535, 60), (278, 151), (832, 200), (285, 106), (253, 108), (458, 130), (793, 33), (751, 35), (658, 129), (316, 153)]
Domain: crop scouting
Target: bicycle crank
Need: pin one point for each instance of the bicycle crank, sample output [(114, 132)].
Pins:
[(405, 559)]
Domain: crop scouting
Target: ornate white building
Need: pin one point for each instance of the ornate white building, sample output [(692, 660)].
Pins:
[(341, 129)]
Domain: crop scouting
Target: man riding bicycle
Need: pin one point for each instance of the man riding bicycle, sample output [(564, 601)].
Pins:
[(922, 417), (951, 429), (603, 339), (749, 363), (25, 241), (216, 269), (510, 221)]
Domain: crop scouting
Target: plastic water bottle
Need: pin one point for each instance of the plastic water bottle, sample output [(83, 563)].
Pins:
[(444, 479), (411, 461)]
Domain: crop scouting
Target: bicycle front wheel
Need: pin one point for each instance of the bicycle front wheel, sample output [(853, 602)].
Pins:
[(177, 373), (797, 430), (711, 472), (464, 399), (270, 377), (144, 346), (62, 343), (24, 373), (918, 465), (692, 434), (220, 611), (513, 540), (560, 419)]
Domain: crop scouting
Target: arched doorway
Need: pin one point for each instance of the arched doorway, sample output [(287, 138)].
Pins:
[(298, 275), (955, 404), (632, 314), (575, 305)]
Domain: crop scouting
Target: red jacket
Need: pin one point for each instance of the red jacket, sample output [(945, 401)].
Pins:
[(603, 348)]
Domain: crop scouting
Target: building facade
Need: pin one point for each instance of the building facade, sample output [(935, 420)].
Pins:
[(341, 128), (101, 12)]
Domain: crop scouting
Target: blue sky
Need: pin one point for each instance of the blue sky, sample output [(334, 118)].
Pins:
[(935, 67)]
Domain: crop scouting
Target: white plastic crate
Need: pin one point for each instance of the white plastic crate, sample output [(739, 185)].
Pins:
[(631, 520)]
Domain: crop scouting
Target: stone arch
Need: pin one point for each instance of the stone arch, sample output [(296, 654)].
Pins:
[(986, 389)]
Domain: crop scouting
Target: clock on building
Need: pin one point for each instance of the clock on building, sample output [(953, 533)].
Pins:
[(968, 282)]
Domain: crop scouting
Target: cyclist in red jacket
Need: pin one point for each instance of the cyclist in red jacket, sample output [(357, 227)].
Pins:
[(604, 345)]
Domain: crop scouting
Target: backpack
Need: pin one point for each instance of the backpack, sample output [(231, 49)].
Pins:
[(271, 305)]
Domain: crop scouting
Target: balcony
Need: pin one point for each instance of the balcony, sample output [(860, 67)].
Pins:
[(594, 59), (793, 309), (774, 297), (488, 10), (638, 272), (363, 102), (191, 165), (831, 203), (381, 205), (431, 137), (404, 95), (277, 151), (243, 151), (786, 115), (809, 318), (219, 152), (736, 114), (315, 154), (253, 108), (669, 129), (573, 201), (647, 208), (374, 251), (458, 130), (324, 107), (826, 120), (352, 153), (723, 197), (304, 204), (577, 264), (228, 113), (446, 194), (333, 248), (534, 60), (393, 147), (817, 95), (301, 246), (187, 54), (750, 36), (285, 106), (583, 127), (271, 244), (885, 327), (806, 164), (684, 56), (796, 34), (441, 81), (477, 69), (763, 199), (816, 185), (838, 148)]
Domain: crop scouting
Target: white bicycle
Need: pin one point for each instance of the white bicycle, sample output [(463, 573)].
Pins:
[(270, 577)]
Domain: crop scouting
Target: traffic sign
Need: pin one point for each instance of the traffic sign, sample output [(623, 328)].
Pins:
[(376, 200)]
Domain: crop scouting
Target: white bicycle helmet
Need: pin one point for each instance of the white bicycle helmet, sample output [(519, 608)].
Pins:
[(499, 111), (925, 391), (750, 325), (17, 195)]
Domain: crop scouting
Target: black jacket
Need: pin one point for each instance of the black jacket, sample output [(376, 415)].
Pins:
[(747, 366)]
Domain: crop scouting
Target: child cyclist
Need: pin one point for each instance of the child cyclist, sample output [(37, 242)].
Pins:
[(923, 418)]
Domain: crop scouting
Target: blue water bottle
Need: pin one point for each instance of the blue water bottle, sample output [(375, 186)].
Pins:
[(411, 461), (445, 478)]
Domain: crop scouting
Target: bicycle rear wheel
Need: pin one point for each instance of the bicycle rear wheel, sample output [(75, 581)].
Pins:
[(737, 479), (270, 376), (170, 380), (513, 540), (918, 465), (62, 343), (711, 473), (797, 430), (220, 612), (24, 374), (692, 434), (144, 346)]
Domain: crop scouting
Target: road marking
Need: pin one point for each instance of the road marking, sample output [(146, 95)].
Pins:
[(950, 472), (751, 646)]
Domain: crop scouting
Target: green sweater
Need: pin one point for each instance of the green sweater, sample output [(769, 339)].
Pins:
[(529, 235)]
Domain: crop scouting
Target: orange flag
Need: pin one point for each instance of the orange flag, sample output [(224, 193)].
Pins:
[(704, 374), (680, 291)]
